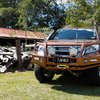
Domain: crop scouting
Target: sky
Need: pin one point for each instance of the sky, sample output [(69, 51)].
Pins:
[(63, 1)]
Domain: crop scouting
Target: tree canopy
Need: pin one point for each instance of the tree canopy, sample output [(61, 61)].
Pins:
[(30, 14), (8, 14), (83, 13)]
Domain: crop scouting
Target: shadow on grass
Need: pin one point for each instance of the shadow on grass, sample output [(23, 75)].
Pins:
[(75, 85)]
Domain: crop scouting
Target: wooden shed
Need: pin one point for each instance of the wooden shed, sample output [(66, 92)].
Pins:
[(8, 36)]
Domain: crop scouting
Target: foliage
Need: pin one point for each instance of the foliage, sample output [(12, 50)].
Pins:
[(8, 17), (31, 14), (82, 13), (8, 14), (25, 15), (40, 13), (76, 13)]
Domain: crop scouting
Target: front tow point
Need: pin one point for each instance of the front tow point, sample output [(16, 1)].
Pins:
[(63, 66), (66, 67)]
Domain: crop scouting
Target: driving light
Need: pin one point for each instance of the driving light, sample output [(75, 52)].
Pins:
[(93, 60), (51, 50), (73, 51)]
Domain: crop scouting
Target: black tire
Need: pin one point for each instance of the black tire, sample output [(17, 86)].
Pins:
[(42, 74), (95, 76)]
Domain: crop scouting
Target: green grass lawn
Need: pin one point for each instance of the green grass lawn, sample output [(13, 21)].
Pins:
[(24, 86)]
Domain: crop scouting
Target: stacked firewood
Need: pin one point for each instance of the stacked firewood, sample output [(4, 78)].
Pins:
[(8, 57)]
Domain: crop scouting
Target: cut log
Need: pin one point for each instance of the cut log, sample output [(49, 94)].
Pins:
[(8, 57), (4, 68), (6, 53)]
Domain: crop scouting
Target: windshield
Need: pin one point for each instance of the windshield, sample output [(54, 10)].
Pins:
[(74, 34)]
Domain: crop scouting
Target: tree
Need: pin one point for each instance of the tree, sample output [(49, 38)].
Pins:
[(8, 13), (40, 13), (25, 9), (8, 17), (76, 14), (31, 14), (80, 11), (58, 15)]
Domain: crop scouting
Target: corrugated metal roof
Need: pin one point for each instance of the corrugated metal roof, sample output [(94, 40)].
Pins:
[(6, 32)]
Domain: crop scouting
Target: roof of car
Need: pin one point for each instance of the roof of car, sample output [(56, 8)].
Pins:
[(78, 29), (82, 29)]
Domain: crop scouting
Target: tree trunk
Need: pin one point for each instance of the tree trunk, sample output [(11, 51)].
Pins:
[(95, 25)]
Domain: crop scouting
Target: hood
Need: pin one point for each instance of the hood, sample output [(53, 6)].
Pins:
[(69, 42)]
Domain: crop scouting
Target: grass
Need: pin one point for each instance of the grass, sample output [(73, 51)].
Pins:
[(24, 86)]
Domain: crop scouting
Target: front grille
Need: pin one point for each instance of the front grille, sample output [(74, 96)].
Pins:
[(62, 53), (64, 50)]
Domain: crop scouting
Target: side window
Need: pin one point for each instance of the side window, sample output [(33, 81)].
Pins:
[(56, 37)]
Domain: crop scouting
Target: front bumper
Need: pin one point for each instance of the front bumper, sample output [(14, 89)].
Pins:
[(76, 63)]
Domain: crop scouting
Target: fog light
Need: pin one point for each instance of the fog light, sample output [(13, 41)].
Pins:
[(51, 50), (73, 51), (85, 61), (93, 60)]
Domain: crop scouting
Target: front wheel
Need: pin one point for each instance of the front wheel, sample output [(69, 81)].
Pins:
[(42, 74), (95, 76)]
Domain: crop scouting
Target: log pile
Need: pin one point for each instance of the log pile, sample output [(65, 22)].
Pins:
[(8, 57)]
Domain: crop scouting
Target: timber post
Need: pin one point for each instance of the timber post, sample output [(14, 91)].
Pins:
[(18, 51)]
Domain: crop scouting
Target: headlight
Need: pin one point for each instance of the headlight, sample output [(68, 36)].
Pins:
[(41, 50), (91, 49), (73, 51), (51, 50)]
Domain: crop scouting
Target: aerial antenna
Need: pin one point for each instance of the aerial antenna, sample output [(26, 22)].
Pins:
[(77, 27)]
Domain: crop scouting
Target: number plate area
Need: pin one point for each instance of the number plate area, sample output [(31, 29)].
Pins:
[(62, 60)]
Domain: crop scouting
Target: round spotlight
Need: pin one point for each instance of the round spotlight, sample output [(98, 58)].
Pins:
[(73, 51), (51, 50)]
